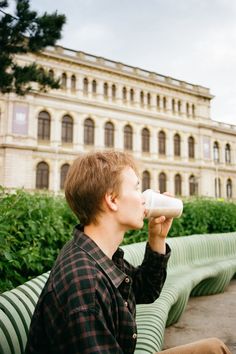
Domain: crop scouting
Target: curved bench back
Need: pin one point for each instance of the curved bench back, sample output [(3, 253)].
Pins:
[(17, 305), (188, 249), (16, 309)]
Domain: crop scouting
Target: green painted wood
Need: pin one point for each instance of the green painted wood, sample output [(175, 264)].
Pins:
[(199, 265)]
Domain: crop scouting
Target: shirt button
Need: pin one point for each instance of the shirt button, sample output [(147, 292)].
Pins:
[(127, 280), (126, 303), (134, 335)]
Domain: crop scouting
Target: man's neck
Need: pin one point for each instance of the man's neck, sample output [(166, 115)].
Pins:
[(105, 236)]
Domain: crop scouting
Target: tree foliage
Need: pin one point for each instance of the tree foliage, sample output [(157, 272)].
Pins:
[(26, 32)]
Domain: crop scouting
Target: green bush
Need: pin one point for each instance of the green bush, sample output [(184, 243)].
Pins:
[(203, 216), (34, 227), (200, 216)]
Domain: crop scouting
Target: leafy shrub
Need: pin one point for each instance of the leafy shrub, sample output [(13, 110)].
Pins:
[(34, 227), (200, 216)]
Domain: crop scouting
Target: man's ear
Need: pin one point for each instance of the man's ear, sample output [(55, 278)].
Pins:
[(111, 201)]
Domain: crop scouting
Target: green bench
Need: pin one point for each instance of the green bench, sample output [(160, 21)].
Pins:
[(199, 265)]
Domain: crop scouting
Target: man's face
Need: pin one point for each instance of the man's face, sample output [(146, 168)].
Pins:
[(131, 206)]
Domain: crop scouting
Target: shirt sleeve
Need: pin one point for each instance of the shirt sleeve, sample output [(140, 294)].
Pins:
[(148, 279)]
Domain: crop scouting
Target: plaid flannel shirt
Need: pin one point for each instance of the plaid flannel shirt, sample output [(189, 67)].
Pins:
[(88, 303)]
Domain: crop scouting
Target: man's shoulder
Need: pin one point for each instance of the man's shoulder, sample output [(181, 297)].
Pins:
[(75, 278)]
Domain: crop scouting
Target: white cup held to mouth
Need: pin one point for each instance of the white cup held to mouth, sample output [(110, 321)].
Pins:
[(158, 204)]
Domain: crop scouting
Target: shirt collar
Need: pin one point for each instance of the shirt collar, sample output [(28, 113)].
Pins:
[(108, 266)]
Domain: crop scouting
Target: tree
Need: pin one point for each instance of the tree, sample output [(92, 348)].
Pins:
[(26, 32)]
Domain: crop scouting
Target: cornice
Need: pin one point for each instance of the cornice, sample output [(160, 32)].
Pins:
[(118, 68)]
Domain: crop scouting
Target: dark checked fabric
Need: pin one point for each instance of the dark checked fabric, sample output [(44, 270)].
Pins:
[(88, 303)]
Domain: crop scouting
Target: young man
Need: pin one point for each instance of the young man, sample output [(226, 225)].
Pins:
[(88, 303)]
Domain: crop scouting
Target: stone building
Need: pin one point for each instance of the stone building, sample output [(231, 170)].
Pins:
[(165, 123)]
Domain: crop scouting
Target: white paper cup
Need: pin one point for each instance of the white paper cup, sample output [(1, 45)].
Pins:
[(158, 204)]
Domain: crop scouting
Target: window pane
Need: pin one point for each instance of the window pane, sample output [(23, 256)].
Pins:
[(85, 86), (162, 182), (162, 143), (177, 145), (42, 175), (178, 185), (128, 137), (229, 191), (63, 81), (44, 126), (191, 147), (89, 132), (145, 180), (109, 134), (216, 152), (67, 129), (64, 171), (73, 83), (145, 140), (227, 153)]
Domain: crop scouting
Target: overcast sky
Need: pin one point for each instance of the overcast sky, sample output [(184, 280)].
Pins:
[(190, 40)]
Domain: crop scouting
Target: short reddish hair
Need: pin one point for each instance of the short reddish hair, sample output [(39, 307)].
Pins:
[(90, 177)]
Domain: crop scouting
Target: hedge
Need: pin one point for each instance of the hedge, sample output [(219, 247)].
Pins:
[(34, 227)]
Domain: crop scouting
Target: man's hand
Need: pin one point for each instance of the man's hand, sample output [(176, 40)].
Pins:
[(158, 229)]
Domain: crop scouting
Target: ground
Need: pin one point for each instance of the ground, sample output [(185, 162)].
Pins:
[(206, 316)]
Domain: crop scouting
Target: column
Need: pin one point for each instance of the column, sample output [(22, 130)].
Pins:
[(79, 86)]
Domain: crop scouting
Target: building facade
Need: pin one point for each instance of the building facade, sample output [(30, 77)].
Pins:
[(165, 123)]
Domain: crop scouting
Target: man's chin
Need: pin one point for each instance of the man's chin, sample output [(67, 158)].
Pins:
[(140, 226)]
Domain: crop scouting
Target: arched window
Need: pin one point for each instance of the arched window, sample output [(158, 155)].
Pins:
[(51, 74), (187, 109), (177, 147), (105, 90), (158, 101), (94, 87), (179, 107), (149, 100), (229, 189), (109, 134), (63, 81), (44, 123), (164, 103), (73, 83), (89, 131), (227, 153), (216, 154), (42, 175), (173, 105), (193, 110), (67, 129), (217, 187), (128, 137), (142, 98), (191, 152), (113, 92), (178, 184), (64, 171), (162, 182), (145, 140), (146, 180), (85, 86), (162, 143), (192, 185), (131, 95), (124, 94)]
